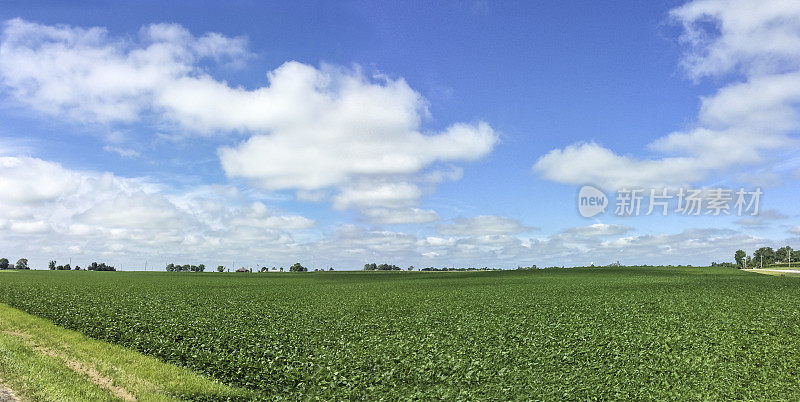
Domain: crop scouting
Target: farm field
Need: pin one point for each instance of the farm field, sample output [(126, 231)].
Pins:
[(610, 333)]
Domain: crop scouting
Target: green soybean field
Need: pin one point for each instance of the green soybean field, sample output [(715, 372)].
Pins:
[(580, 333)]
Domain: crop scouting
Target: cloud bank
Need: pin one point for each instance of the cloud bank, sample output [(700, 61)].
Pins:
[(755, 46)]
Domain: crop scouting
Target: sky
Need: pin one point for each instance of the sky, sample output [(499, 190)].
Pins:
[(438, 134)]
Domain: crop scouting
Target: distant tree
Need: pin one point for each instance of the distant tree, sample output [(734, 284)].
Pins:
[(51, 265), (297, 268), (765, 255), (783, 254), (67, 267), (220, 268), (281, 269), (77, 267), (739, 256), (264, 269), (170, 267), (201, 267), (411, 268), (330, 269), (3, 263), (22, 263), (94, 266)]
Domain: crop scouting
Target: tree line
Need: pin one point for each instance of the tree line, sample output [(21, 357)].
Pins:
[(22, 263), (765, 256), (187, 268), (94, 266), (297, 267)]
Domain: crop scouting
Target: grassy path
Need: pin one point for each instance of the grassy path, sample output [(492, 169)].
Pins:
[(772, 271), (40, 361)]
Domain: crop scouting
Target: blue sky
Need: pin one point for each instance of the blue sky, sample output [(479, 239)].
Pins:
[(409, 133)]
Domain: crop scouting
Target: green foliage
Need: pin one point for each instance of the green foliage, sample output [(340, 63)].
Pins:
[(4, 263), (100, 267), (382, 267), (551, 334), (739, 256), (297, 268), (187, 268), (783, 254), (22, 263), (220, 268)]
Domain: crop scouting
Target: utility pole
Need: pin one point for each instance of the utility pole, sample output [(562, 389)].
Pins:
[(145, 265)]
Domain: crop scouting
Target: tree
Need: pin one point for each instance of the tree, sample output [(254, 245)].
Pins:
[(220, 268), (67, 267), (740, 256), (22, 263), (783, 254), (201, 267), (51, 265), (3, 263), (297, 268), (411, 268), (765, 255), (264, 269), (77, 267)]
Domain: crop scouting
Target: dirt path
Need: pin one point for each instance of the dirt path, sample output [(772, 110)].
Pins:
[(76, 366), (6, 395), (766, 271)]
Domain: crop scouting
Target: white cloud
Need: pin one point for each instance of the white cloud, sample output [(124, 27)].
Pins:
[(123, 152), (762, 219), (598, 229), (795, 230), (88, 76), (28, 180), (388, 216), (590, 163), (49, 210), (484, 225), (31, 227), (315, 128), (736, 126)]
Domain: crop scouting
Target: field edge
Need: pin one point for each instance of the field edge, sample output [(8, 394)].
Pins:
[(42, 361)]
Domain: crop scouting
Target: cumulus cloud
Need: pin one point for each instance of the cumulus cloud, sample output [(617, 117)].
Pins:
[(388, 216), (123, 152), (86, 75), (484, 225), (763, 218), (29, 180), (50, 210), (127, 220), (757, 47), (313, 128), (598, 229)]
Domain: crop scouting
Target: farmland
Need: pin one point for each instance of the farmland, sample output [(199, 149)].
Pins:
[(699, 333)]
